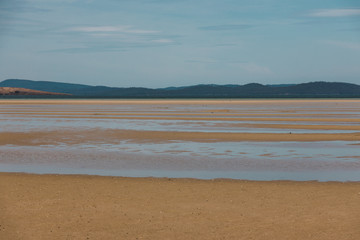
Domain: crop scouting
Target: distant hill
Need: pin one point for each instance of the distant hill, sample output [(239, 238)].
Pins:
[(45, 86), (14, 91), (252, 90)]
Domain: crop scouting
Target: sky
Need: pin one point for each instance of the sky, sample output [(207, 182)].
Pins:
[(162, 43)]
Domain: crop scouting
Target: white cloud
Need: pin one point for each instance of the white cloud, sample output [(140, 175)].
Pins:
[(113, 38), (162, 40), (98, 29), (341, 12), (111, 29), (348, 45), (204, 60), (255, 69)]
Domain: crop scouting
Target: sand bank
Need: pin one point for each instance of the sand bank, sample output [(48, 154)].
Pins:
[(113, 136), (90, 207), (175, 101)]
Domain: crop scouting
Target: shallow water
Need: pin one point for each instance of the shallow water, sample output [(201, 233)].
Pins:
[(322, 161), (19, 124), (338, 175)]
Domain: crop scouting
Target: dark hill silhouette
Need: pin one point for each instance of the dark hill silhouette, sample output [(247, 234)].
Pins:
[(311, 89), (45, 85), (14, 91), (333, 88)]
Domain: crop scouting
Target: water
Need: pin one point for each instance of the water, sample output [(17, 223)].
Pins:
[(321, 161), (44, 123)]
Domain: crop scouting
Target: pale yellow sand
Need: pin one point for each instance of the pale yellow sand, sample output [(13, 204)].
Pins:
[(89, 207), (114, 136)]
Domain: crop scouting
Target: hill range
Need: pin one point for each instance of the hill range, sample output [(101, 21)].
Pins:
[(252, 90), (15, 91)]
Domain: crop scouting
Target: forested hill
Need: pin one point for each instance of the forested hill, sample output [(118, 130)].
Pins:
[(255, 90), (14, 91)]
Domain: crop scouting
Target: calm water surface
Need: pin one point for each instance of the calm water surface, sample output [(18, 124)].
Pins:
[(322, 161)]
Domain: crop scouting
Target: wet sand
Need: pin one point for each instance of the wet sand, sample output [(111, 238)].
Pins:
[(328, 116), (94, 207), (181, 135), (37, 138), (91, 207)]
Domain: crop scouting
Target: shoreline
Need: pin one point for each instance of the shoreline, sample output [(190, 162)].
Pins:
[(189, 179), (95, 207), (145, 178), (169, 178)]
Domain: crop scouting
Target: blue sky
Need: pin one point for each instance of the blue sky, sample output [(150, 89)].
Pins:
[(160, 43)]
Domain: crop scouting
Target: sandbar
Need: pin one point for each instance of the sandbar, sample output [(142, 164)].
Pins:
[(73, 137)]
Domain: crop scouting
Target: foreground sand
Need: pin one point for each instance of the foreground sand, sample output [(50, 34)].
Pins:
[(90, 207)]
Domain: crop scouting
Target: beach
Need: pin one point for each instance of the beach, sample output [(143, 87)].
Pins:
[(179, 169), (93, 207)]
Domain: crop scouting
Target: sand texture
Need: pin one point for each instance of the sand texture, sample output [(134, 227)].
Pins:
[(182, 120), (90, 207), (162, 135)]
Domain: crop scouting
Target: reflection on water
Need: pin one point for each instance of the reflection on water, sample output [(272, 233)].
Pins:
[(337, 175), (19, 124), (323, 161)]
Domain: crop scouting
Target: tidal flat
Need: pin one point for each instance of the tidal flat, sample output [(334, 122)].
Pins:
[(240, 139), (180, 169)]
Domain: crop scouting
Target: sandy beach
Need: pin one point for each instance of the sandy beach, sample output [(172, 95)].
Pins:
[(283, 138), (90, 207)]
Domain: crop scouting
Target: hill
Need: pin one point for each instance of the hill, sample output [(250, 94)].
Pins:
[(14, 91), (252, 90)]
